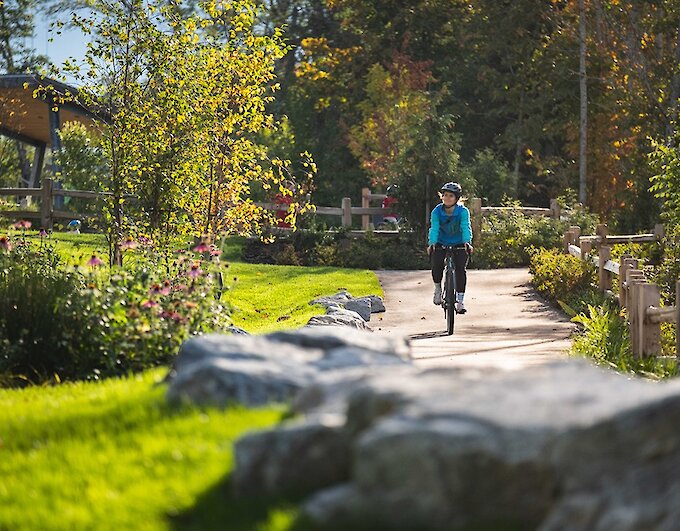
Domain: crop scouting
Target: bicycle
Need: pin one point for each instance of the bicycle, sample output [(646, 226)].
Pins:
[(449, 291)]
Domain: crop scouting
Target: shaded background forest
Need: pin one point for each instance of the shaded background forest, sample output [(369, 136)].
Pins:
[(485, 92)]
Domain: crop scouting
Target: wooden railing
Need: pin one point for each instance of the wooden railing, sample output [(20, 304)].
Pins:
[(47, 192), (640, 298), (477, 211), (345, 211)]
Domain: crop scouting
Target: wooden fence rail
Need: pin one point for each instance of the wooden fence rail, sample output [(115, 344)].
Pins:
[(47, 192), (345, 211), (640, 298)]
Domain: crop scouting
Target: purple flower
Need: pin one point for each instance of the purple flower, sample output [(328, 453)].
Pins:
[(158, 289), (23, 224), (43, 233), (94, 261), (195, 270), (149, 304), (128, 243)]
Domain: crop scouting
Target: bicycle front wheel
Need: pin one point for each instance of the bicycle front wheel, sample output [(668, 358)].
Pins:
[(450, 302)]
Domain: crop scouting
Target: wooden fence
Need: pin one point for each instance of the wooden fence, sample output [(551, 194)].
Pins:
[(47, 192), (477, 211), (636, 294), (47, 213)]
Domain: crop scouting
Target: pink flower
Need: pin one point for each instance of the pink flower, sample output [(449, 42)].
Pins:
[(158, 289), (128, 243), (175, 316), (201, 248), (5, 243), (195, 270), (43, 233), (149, 304), (95, 261), (215, 252), (23, 224)]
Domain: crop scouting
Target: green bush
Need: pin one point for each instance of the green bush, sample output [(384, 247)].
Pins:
[(605, 336), (338, 249), (57, 322), (507, 237), (563, 278)]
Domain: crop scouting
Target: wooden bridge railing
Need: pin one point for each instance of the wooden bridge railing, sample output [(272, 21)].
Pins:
[(640, 298)]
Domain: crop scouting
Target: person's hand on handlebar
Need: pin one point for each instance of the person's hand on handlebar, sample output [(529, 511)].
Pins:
[(469, 249), (430, 250)]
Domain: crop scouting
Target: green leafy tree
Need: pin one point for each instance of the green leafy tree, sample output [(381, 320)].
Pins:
[(492, 176), (402, 139), (186, 97)]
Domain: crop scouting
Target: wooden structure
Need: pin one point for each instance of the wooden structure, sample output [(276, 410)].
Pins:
[(47, 192), (36, 120), (636, 294)]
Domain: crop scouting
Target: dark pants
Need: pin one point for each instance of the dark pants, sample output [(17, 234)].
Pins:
[(460, 259)]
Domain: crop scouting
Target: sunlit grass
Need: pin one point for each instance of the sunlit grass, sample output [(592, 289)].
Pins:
[(264, 297), (114, 455)]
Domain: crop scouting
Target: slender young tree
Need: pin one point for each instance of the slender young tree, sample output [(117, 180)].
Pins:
[(186, 96)]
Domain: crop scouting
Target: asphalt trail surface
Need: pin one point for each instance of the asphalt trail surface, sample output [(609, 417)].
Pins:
[(507, 325)]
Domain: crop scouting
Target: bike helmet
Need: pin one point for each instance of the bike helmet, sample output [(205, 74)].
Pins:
[(452, 187), (392, 190)]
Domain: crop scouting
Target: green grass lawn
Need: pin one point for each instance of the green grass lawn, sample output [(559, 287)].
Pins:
[(264, 297), (114, 455)]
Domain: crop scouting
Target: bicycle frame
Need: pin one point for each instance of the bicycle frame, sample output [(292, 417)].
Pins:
[(449, 291)]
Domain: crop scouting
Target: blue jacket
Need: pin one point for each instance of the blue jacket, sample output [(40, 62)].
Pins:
[(450, 230)]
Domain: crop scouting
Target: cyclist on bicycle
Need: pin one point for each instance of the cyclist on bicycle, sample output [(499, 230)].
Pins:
[(450, 225)]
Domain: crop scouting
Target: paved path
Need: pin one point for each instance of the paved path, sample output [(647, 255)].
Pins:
[(507, 325)]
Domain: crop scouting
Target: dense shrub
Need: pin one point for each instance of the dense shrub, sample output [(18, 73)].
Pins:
[(507, 237), (563, 278), (62, 323), (338, 249), (604, 335)]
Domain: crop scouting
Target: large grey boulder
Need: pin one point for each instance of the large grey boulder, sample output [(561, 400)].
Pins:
[(557, 447), (254, 370)]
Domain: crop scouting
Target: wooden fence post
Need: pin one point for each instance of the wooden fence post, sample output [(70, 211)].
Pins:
[(627, 262), (659, 231), (346, 212), (649, 334), (633, 309), (554, 209), (604, 276), (566, 240), (476, 218), (586, 247), (46, 204), (632, 275), (365, 203), (601, 231)]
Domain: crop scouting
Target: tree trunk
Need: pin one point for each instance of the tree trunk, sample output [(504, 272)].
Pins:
[(583, 85)]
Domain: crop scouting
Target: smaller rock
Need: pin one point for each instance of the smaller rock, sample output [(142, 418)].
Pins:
[(360, 306)]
